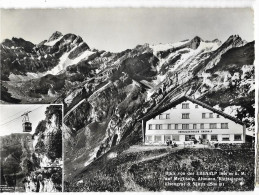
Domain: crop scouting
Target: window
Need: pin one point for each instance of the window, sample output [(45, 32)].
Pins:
[(213, 125), (150, 127), (224, 125), (169, 126), (217, 115), (203, 115), (196, 106), (149, 138), (225, 137), (214, 138), (158, 126), (176, 126), (185, 126), (211, 115), (189, 137), (167, 116), (158, 138), (185, 106), (185, 116), (160, 116), (175, 137), (237, 137), (194, 126), (202, 125)]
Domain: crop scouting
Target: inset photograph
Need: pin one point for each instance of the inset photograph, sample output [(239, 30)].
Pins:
[(31, 148)]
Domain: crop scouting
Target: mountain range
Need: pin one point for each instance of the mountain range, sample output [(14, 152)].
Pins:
[(105, 94)]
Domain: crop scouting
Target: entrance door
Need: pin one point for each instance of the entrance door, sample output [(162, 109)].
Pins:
[(204, 136)]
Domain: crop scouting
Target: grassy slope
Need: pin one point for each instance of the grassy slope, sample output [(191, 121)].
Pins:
[(144, 171)]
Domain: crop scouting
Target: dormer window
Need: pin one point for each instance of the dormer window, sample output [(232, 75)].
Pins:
[(185, 106)]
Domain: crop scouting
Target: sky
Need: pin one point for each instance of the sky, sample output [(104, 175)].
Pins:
[(117, 29), (14, 112)]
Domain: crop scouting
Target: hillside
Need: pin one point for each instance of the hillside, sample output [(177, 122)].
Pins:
[(160, 168)]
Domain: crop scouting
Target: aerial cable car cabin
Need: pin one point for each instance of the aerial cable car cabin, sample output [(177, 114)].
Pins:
[(26, 124), (186, 119)]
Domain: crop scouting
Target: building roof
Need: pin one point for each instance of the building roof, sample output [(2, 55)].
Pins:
[(184, 98)]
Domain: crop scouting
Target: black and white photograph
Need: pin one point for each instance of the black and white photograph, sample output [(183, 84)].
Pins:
[(154, 99), (31, 148)]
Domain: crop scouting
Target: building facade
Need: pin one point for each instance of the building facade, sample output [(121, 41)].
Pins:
[(186, 120)]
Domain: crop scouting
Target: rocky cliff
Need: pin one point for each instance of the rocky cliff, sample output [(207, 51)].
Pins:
[(24, 155), (15, 158)]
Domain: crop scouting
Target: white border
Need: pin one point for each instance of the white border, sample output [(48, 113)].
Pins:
[(124, 3), (256, 36), (152, 3)]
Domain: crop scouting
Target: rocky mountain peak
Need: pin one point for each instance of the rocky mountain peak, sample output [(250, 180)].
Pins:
[(197, 38), (216, 41), (55, 36), (18, 42), (235, 40), (195, 42)]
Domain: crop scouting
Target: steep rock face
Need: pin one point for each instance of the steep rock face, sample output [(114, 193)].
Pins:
[(15, 155), (24, 156), (47, 139)]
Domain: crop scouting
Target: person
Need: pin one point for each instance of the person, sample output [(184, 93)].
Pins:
[(170, 142), (38, 185), (200, 140), (174, 145), (167, 142)]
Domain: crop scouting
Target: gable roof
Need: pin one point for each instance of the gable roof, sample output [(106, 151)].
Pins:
[(184, 98)]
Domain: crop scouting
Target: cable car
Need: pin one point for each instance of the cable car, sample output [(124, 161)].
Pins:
[(26, 124)]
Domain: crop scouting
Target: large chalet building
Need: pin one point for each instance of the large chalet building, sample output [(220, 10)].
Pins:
[(187, 119)]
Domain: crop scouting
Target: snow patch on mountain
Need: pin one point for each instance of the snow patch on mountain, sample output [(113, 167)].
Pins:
[(209, 46), (52, 43), (191, 57), (163, 47), (64, 61)]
